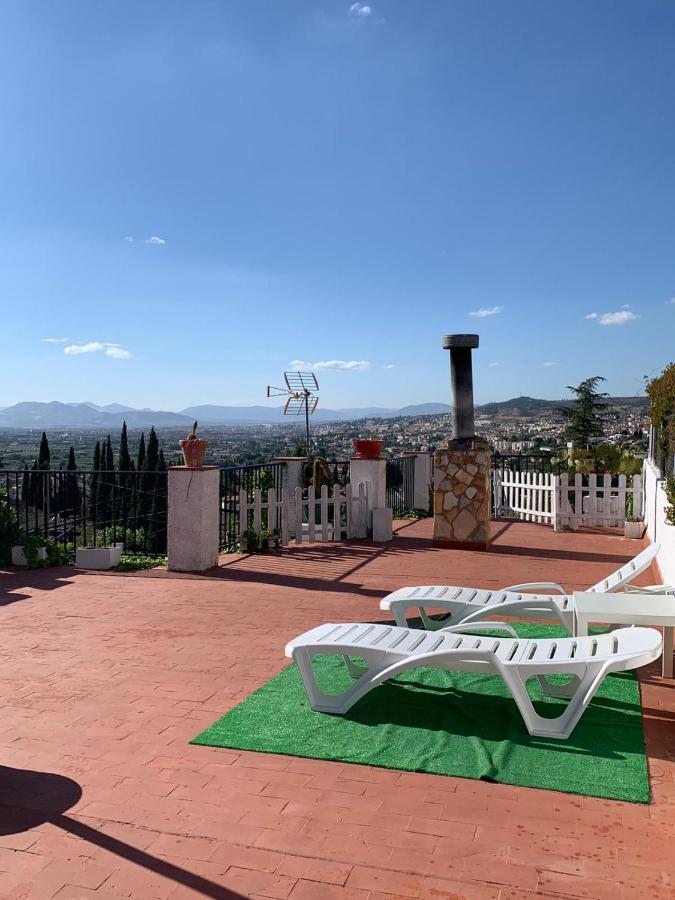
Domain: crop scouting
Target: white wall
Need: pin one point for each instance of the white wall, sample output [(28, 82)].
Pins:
[(655, 503)]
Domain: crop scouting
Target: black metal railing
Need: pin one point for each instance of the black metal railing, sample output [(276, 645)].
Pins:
[(400, 484), (243, 478), (88, 508), (528, 462), (340, 471)]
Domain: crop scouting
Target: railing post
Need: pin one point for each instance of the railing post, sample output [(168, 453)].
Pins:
[(193, 518), (422, 478), (292, 469)]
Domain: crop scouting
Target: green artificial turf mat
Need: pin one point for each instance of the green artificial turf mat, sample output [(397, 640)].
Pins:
[(450, 723)]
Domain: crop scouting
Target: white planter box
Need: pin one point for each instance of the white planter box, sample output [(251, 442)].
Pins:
[(633, 529), (98, 557), (19, 555)]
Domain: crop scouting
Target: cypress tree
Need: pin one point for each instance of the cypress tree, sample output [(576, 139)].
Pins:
[(153, 451), (95, 482), (72, 491), (140, 461), (148, 478), (106, 490), (41, 483), (126, 480), (125, 463), (43, 455)]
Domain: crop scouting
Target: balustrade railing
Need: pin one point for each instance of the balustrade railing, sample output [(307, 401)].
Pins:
[(87, 508)]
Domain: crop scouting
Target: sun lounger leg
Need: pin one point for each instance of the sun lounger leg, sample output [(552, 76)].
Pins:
[(564, 691), (433, 624), (562, 726), (334, 703)]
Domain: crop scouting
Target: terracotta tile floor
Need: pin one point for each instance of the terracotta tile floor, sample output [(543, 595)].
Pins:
[(106, 677)]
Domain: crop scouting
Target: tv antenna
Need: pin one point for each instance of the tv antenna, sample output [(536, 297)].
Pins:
[(302, 395)]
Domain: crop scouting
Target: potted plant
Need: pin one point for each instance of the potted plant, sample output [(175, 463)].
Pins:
[(367, 448), (633, 527), (249, 542), (30, 553), (193, 449)]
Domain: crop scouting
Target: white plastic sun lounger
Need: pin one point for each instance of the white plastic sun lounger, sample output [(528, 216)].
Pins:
[(467, 605), (388, 651)]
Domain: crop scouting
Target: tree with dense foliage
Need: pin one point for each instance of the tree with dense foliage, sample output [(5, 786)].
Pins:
[(585, 419), (661, 393)]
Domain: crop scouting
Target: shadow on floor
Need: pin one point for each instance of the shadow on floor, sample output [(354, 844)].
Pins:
[(30, 799)]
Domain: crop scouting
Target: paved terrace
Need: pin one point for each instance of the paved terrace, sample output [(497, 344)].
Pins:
[(106, 677)]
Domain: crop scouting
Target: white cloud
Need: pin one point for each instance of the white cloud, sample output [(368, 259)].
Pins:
[(626, 306), (129, 239), (389, 366), (484, 311), (617, 318), (547, 365), (592, 316), (339, 365), (362, 10), (55, 340), (116, 351), (155, 240), (493, 365), (671, 301)]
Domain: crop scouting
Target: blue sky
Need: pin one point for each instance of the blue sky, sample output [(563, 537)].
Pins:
[(196, 194)]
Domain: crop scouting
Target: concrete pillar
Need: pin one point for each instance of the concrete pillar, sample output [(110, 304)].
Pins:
[(292, 471), (373, 473), (422, 484), (193, 518)]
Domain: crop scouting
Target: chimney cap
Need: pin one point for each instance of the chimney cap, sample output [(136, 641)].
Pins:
[(454, 341)]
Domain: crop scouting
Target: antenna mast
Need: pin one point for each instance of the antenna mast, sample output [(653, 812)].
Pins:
[(302, 396)]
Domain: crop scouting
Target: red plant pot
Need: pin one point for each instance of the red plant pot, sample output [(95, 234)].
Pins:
[(193, 452), (367, 449)]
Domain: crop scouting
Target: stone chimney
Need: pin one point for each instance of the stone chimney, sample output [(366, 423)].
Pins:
[(462, 471)]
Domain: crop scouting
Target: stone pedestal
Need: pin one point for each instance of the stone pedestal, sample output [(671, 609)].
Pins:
[(193, 518), (462, 495)]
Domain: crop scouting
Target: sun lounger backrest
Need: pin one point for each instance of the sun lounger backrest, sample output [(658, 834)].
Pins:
[(628, 572)]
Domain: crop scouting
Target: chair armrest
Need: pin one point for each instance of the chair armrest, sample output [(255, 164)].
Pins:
[(650, 589), (485, 625), (537, 586)]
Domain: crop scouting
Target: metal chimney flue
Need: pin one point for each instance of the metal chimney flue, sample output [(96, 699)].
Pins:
[(461, 381)]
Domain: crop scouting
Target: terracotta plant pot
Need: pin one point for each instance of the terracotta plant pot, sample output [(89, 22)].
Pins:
[(193, 452), (367, 449)]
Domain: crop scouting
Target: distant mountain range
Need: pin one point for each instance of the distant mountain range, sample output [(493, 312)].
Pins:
[(90, 415)]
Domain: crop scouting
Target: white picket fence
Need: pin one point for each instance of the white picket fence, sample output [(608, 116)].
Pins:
[(330, 516), (598, 503), (530, 496), (554, 499)]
